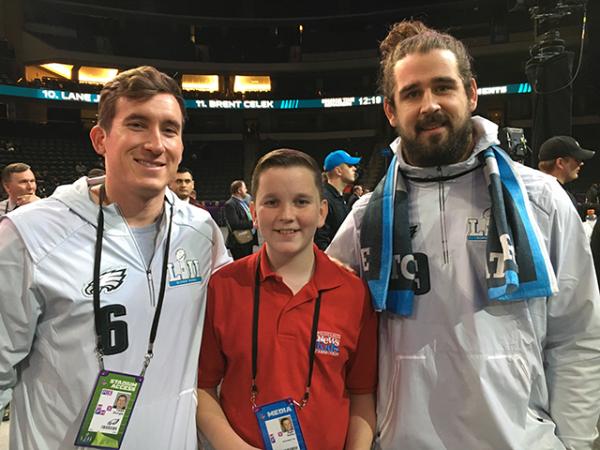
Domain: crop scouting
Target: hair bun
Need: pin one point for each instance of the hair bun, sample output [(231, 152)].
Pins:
[(398, 33)]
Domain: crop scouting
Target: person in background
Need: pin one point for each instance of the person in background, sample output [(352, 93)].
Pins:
[(18, 180), (242, 236), (562, 157), (357, 192), (340, 170), (183, 186), (20, 184), (592, 195), (490, 324)]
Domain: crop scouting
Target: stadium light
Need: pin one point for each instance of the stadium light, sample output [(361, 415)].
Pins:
[(64, 70), (96, 75), (252, 83), (202, 83)]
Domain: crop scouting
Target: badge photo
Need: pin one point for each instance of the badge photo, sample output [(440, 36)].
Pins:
[(109, 410), (279, 426)]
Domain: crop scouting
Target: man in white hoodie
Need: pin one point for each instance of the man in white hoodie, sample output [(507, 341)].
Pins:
[(460, 371), (150, 256)]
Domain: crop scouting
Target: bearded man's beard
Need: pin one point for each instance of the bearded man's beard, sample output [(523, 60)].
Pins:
[(438, 150)]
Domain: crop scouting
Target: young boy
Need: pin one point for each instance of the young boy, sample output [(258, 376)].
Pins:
[(288, 323)]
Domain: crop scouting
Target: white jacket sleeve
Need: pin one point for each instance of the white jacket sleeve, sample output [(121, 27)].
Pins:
[(572, 346), (19, 308)]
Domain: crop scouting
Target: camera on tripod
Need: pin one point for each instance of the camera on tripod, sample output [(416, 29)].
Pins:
[(546, 16), (513, 142)]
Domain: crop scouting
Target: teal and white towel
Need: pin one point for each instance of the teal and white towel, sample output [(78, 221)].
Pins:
[(518, 266)]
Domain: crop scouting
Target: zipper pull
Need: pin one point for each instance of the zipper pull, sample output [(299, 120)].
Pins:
[(150, 286)]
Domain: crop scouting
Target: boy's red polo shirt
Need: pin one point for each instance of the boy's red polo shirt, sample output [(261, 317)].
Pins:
[(346, 318)]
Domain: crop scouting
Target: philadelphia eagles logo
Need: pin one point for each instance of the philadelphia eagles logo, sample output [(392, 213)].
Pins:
[(109, 281)]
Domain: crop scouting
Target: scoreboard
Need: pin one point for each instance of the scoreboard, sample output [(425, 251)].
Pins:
[(332, 102)]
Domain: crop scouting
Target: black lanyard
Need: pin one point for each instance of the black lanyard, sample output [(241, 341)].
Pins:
[(311, 351), (96, 285)]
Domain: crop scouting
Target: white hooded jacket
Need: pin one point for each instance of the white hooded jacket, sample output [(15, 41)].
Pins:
[(47, 350), (465, 373)]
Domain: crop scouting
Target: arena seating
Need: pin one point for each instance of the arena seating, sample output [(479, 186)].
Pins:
[(54, 158), (215, 166)]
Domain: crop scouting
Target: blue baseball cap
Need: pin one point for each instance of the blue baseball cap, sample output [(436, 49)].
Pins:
[(338, 157)]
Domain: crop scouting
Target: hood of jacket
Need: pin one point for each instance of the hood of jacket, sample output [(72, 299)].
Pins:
[(77, 198), (485, 134)]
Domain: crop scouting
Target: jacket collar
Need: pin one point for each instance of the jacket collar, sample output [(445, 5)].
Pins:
[(486, 134), (76, 196)]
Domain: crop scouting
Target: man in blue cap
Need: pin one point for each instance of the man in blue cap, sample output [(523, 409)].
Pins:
[(340, 169)]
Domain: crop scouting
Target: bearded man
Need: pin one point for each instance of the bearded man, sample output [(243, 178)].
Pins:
[(490, 324)]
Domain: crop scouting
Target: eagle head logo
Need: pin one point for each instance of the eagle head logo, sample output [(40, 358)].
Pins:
[(109, 281)]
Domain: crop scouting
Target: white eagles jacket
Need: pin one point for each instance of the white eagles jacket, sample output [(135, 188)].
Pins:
[(464, 373), (47, 335)]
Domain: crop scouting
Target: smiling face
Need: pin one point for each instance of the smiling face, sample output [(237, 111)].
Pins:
[(287, 210), (431, 110), (144, 146)]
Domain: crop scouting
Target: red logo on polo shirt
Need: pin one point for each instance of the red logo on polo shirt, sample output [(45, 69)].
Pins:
[(328, 343)]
